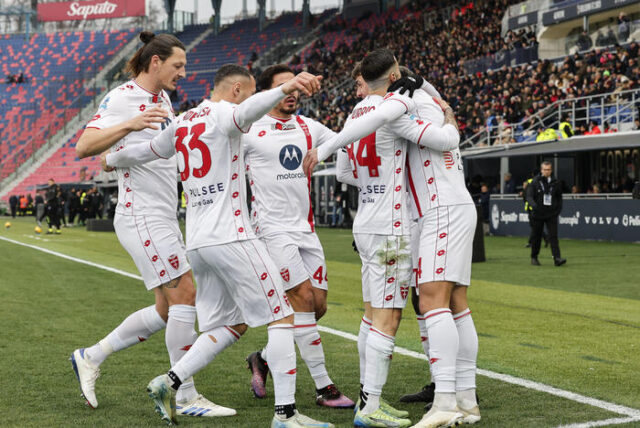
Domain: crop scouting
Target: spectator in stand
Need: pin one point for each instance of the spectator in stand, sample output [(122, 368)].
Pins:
[(594, 129), (509, 184), (575, 189), (623, 27), (13, 205), (584, 42)]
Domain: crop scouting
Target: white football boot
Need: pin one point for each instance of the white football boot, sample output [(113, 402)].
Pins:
[(200, 406), (298, 420), (436, 418), (86, 373)]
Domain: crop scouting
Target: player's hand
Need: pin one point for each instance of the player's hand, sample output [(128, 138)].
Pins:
[(310, 161), (304, 82), (103, 162), (442, 103), (406, 84), (148, 119)]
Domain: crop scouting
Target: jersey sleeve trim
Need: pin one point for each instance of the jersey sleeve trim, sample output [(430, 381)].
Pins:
[(422, 133), (233, 115), (400, 101), (154, 152)]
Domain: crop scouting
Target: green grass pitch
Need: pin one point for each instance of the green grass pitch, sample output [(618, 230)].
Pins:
[(576, 328)]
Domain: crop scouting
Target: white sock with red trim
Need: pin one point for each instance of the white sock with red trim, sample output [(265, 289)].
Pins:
[(424, 336), (204, 350), (179, 337), (443, 349), (136, 328), (365, 325), (310, 345), (466, 362), (379, 353), (281, 358)]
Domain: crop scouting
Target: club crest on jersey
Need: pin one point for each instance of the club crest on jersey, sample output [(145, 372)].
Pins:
[(279, 126), (290, 157), (285, 274), (174, 261), (448, 159), (404, 292)]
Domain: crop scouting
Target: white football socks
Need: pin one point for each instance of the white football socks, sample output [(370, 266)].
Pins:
[(379, 353), (424, 338), (310, 345), (466, 362), (136, 328), (365, 325), (281, 358), (204, 350), (179, 337), (443, 348)]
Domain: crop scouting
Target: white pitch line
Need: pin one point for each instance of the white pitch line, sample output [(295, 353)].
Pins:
[(633, 414), (604, 422), (615, 408), (73, 259)]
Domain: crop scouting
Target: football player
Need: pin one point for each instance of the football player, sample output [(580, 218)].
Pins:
[(283, 217), (382, 225), (145, 220), (238, 283)]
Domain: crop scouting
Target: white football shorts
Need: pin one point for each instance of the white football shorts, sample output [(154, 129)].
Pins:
[(446, 244), (237, 283), (386, 269), (155, 244), (298, 256)]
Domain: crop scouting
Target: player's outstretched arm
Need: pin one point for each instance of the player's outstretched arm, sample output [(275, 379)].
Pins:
[(344, 171), (354, 131), (161, 147), (95, 141), (256, 106)]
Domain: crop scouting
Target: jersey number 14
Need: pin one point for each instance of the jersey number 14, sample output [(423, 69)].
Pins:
[(366, 156)]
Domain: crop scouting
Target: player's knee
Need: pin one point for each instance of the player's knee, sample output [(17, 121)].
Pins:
[(301, 297), (239, 328), (321, 309)]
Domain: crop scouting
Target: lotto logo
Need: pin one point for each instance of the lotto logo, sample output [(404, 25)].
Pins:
[(439, 271), (263, 276), (448, 159)]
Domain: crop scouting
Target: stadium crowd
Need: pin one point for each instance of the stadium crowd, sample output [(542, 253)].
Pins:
[(497, 99)]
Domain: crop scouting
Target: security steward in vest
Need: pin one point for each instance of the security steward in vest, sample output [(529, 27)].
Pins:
[(527, 208), (565, 128), (544, 196)]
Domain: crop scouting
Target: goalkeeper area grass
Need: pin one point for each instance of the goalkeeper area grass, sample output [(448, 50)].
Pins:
[(559, 346)]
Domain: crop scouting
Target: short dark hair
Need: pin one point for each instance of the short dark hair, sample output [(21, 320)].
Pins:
[(357, 70), (376, 63), (265, 80), (405, 72), (546, 163), (228, 70), (160, 44)]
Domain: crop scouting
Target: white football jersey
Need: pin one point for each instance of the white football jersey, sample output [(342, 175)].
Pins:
[(142, 189), (274, 149), (378, 162), (435, 178)]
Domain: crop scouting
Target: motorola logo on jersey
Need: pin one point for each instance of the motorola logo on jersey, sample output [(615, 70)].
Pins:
[(290, 157)]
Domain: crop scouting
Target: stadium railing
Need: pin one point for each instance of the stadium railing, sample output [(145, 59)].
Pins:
[(567, 196), (615, 108)]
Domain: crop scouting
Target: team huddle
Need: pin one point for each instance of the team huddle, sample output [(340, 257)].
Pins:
[(265, 266)]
